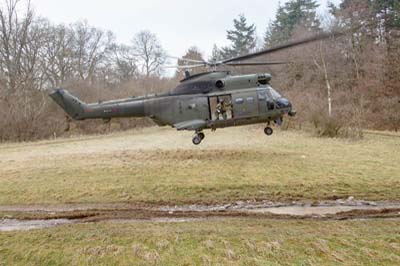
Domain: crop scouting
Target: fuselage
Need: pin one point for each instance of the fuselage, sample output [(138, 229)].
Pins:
[(192, 105), (247, 106)]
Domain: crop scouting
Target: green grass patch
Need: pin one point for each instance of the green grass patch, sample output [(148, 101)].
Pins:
[(227, 242)]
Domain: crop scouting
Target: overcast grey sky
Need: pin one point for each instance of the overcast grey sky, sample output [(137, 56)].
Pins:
[(179, 24)]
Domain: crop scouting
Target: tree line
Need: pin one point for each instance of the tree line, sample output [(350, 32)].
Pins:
[(355, 78), (37, 55), (352, 81)]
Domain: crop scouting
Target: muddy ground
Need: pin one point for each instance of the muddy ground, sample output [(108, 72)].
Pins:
[(14, 218)]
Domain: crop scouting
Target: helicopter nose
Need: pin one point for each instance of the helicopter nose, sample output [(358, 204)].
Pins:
[(283, 103)]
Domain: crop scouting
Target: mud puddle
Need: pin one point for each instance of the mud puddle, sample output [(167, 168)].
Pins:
[(320, 210), (20, 218), (8, 225)]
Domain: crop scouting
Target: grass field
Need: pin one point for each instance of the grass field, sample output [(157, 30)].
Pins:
[(228, 242), (162, 166)]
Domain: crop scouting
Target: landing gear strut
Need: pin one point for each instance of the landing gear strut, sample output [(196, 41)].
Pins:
[(268, 131), (198, 138)]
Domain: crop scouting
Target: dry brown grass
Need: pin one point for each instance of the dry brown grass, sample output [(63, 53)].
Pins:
[(161, 165)]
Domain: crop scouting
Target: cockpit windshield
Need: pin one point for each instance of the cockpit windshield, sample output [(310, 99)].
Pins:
[(275, 95)]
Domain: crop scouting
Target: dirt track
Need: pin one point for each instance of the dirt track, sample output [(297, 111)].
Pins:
[(33, 217)]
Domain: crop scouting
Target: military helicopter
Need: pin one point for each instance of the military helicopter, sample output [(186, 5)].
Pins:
[(209, 100)]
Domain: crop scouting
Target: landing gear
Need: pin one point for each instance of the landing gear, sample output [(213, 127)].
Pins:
[(198, 138), (268, 131), (201, 135)]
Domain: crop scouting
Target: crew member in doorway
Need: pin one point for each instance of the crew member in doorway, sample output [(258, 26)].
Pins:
[(221, 109)]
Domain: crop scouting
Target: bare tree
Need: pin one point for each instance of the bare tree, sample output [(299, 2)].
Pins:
[(14, 41), (125, 62), (58, 55), (151, 56), (91, 47)]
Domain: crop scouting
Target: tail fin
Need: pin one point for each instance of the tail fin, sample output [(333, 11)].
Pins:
[(72, 105)]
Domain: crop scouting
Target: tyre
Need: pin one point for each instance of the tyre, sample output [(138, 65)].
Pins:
[(268, 131), (201, 135), (196, 140)]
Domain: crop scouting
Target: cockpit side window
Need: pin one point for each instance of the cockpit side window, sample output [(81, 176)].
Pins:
[(262, 95), (274, 94)]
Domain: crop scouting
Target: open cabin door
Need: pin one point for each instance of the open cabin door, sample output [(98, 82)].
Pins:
[(213, 103)]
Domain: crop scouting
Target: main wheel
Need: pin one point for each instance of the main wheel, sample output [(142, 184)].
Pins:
[(268, 131), (196, 139), (201, 135)]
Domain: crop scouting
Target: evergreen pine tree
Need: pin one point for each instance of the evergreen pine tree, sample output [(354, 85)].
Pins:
[(388, 11), (294, 13), (374, 21), (242, 37)]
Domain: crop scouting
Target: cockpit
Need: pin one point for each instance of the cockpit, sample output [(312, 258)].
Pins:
[(274, 94), (280, 101)]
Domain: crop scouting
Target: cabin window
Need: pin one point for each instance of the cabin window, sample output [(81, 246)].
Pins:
[(239, 101), (250, 100)]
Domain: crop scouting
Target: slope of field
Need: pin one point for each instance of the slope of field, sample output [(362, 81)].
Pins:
[(162, 166)]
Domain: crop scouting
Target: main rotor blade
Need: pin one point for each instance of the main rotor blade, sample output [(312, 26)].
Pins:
[(187, 66), (317, 37), (257, 63), (185, 59)]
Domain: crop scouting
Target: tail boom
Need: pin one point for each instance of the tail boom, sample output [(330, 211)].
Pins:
[(80, 110)]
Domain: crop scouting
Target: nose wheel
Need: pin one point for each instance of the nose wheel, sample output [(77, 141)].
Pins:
[(198, 138), (268, 131)]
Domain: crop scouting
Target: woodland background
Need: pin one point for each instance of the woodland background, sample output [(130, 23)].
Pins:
[(339, 86)]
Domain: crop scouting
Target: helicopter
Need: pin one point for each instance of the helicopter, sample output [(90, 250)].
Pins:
[(209, 100)]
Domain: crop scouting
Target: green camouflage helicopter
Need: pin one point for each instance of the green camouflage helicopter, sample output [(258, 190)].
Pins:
[(208, 100)]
